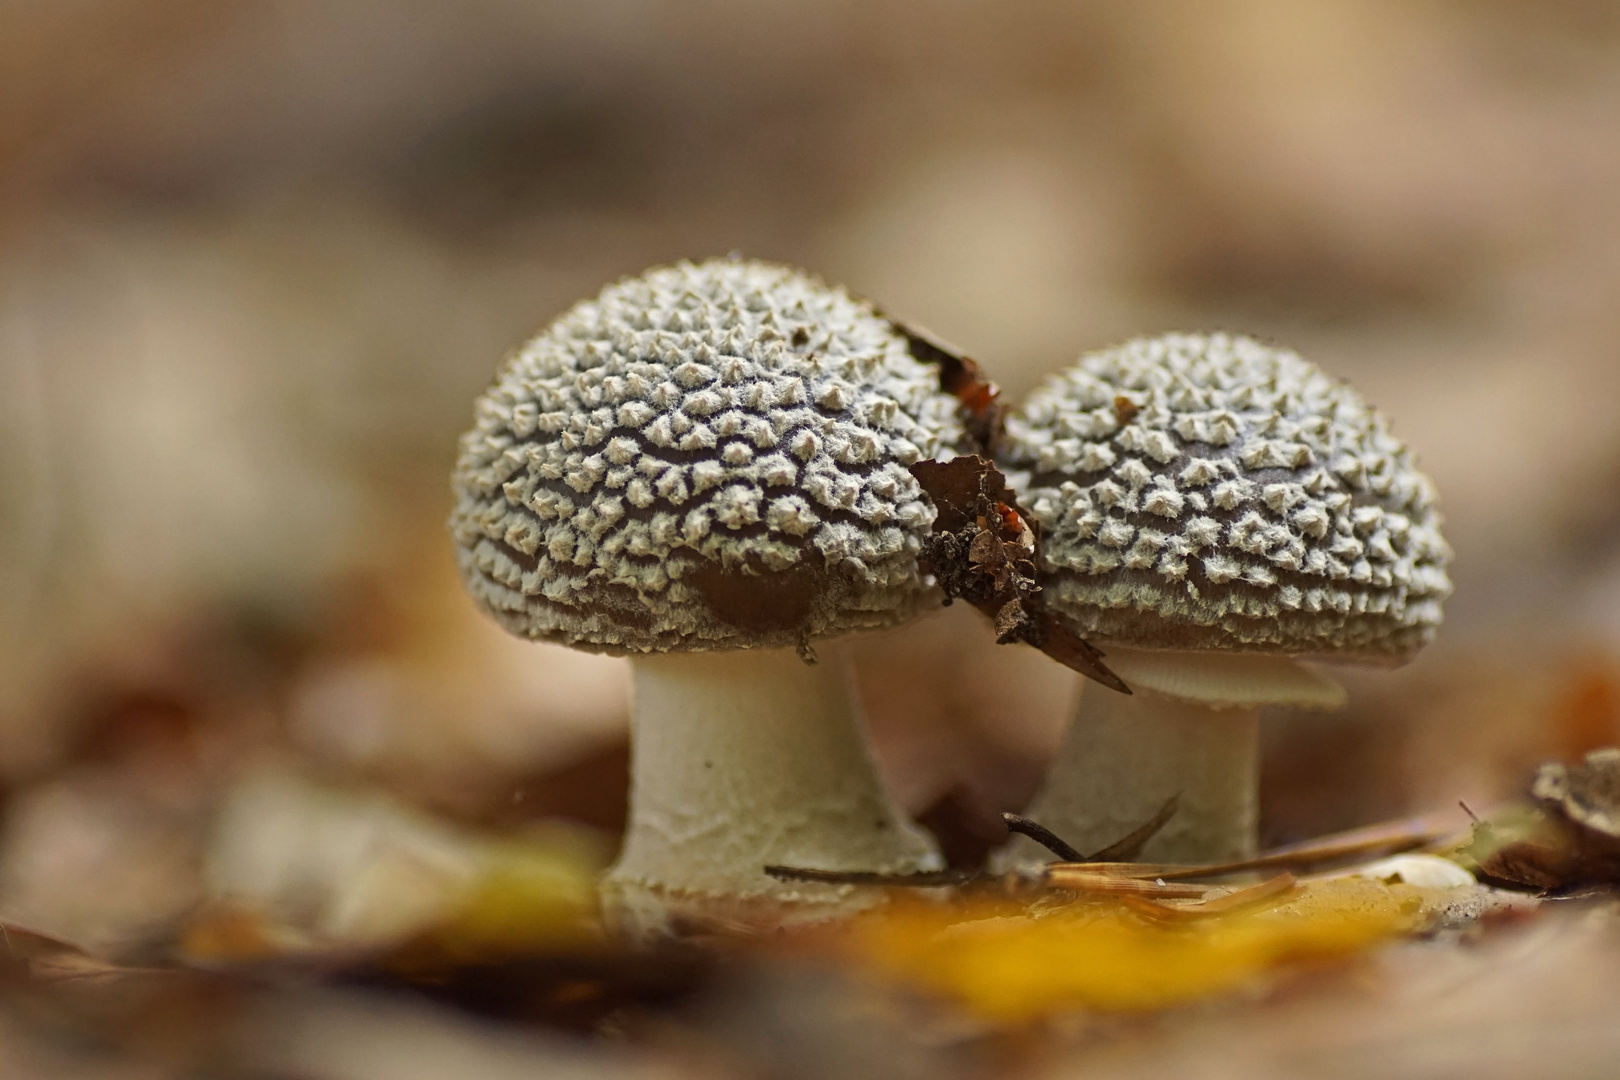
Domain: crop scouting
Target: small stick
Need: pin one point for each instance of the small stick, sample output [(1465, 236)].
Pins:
[(1267, 892), (1080, 879), (1390, 837), (927, 879), (1121, 850), (1396, 836), (1045, 837), (940, 879), (1092, 874)]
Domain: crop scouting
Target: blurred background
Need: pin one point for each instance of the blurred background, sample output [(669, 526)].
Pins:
[(257, 257)]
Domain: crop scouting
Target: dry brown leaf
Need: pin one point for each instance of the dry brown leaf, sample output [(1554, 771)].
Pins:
[(1565, 840)]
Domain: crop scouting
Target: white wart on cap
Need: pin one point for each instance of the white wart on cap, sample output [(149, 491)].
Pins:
[(1211, 492), (705, 456)]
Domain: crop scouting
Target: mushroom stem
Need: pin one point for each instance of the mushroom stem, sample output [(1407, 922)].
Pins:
[(745, 758), (1190, 728), (1123, 756)]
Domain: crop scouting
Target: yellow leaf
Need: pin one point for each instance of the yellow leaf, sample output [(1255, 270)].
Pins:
[(1013, 964), (530, 895)]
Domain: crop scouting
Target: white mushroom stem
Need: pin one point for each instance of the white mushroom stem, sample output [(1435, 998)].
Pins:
[(1191, 728), (741, 759), (1124, 755)]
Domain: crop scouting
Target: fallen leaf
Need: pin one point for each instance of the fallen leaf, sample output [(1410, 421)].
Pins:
[(1014, 964), (1530, 847), (1569, 837)]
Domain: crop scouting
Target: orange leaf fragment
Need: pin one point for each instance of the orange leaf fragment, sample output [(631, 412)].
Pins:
[(1013, 964)]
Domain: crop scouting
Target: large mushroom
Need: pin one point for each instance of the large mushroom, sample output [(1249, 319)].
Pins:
[(704, 469), (1212, 510)]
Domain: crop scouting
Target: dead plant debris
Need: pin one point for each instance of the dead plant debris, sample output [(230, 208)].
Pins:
[(984, 550), (1565, 839), (964, 380)]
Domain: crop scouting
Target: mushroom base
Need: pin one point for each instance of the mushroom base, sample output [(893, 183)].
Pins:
[(647, 912), (741, 760), (1125, 755)]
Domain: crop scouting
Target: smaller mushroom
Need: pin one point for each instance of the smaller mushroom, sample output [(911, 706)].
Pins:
[(1212, 511)]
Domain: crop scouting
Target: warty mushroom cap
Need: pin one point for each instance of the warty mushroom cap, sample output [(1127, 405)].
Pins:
[(705, 456), (1212, 492)]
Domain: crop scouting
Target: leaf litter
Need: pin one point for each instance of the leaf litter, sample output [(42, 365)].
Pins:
[(520, 941)]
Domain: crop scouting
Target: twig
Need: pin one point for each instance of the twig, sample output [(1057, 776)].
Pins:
[(940, 879), (1391, 838), (927, 879), (1128, 848), (1395, 836), (1121, 850), (1045, 837), (1076, 878), (1267, 892)]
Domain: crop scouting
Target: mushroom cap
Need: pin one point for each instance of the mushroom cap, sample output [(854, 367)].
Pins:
[(1212, 492), (705, 456)]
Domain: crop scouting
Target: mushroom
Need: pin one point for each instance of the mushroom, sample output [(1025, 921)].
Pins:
[(704, 469), (1212, 509)]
